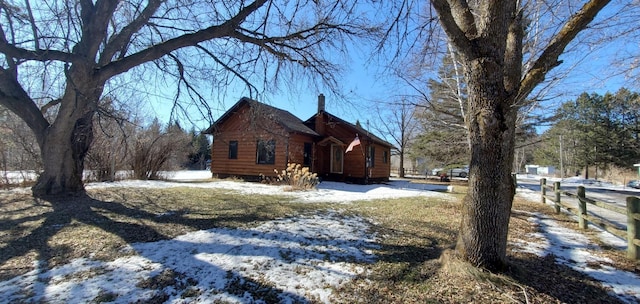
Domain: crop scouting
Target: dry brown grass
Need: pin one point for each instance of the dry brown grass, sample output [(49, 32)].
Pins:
[(416, 263), (100, 224)]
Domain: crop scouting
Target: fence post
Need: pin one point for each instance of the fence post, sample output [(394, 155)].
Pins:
[(633, 227), (543, 189), (556, 189), (582, 206)]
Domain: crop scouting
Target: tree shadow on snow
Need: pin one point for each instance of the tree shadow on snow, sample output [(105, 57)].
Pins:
[(131, 225), (559, 282), (552, 274)]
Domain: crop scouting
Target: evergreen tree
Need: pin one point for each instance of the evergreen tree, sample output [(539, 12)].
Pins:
[(200, 151), (444, 137), (597, 131)]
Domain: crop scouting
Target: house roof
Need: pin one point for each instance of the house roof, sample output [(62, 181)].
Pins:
[(362, 132), (285, 119)]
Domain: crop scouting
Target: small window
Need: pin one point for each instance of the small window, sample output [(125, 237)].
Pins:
[(372, 156), (233, 149), (266, 152), (385, 157)]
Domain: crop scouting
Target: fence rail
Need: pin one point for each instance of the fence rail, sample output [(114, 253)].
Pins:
[(631, 232), (409, 171)]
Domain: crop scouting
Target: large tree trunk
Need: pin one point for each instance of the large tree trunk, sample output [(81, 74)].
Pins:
[(65, 143), (489, 35), (485, 216), (63, 153)]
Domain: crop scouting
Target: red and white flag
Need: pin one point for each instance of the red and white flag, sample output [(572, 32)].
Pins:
[(354, 143)]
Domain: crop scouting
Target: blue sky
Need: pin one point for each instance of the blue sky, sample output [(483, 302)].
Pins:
[(360, 83), (363, 86), (364, 82)]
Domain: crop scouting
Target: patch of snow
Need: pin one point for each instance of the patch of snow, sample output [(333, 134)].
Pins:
[(15, 177), (331, 192), (575, 250), (300, 258)]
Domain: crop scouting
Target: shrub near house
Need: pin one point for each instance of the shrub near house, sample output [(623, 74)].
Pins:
[(297, 177)]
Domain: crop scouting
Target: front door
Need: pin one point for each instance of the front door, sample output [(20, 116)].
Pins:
[(307, 156), (336, 158)]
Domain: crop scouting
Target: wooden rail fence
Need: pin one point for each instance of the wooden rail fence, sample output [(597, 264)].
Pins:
[(632, 233)]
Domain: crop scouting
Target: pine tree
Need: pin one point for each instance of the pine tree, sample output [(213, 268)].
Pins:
[(444, 139), (598, 131)]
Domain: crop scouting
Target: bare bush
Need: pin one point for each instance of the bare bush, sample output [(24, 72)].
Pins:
[(155, 150), (296, 176), (108, 153), (18, 147)]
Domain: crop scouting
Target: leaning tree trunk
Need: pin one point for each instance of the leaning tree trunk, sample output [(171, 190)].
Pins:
[(482, 238)]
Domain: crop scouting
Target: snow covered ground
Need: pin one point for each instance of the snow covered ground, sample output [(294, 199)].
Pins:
[(302, 257), (333, 192), (575, 250)]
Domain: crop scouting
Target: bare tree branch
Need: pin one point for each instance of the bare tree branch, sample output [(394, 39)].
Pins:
[(450, 15), (38, 55), (225, 29), (17, 100), (549, 58), (119, 42)]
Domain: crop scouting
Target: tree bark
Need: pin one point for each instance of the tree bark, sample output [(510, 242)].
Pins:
[(488, 55), (486, 209), (67, 140), (489, 37), (63, 153), (401, 170)]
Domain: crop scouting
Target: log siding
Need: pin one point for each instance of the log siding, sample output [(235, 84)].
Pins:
[(239, 132)]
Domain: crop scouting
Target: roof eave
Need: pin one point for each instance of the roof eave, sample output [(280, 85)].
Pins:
[(361, 131)]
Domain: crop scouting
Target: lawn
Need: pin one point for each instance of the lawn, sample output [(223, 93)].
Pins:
[(229, 242)]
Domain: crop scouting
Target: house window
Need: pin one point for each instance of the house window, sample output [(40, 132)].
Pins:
[(266, 152), (233, 149), (336, 159), (372, 156), (385, 157), (308, 150)]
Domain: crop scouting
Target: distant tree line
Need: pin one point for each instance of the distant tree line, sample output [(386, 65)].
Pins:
[(442, 116), (594, 132), (123, 142)]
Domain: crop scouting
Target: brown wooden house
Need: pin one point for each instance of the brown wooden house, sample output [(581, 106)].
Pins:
[(252, 139)]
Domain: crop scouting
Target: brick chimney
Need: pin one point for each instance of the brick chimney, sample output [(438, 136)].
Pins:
[(319, 123), (320, 103)]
